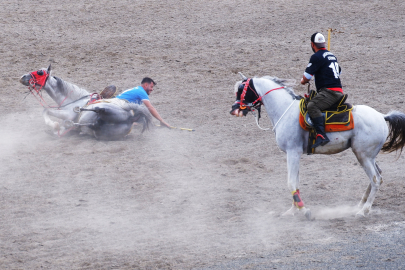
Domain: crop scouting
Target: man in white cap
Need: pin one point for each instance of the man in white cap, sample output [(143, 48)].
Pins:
[(324, 66)]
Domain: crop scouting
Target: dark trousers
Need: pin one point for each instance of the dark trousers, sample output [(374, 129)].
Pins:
[(322, 101)]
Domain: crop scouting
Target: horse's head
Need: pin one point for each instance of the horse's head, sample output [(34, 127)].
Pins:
[(37, 79), (250, 92), (246, 97), (60, 91)]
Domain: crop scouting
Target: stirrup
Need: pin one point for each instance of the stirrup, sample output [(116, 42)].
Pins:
[(320, 140), (297, 199)]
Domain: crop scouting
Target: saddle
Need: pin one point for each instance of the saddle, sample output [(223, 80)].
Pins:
[(108, 92), (339, 117)]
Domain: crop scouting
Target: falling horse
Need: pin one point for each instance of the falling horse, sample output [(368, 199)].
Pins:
[(104, 119), (369, 135)]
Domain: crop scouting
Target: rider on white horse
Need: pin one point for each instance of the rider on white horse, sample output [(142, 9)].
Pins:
[(324, 66), (140, 94)]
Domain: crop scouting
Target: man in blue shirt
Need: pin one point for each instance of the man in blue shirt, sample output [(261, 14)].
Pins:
[(324, 66), (140, 94)]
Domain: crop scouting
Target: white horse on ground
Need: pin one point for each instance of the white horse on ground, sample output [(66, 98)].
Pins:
[(106, 119), (370, 134)]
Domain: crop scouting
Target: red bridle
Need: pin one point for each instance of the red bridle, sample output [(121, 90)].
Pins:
[(242, 96)]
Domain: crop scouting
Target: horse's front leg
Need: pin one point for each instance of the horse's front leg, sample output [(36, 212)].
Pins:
[(60, 114), (54, 125), (293, 164)]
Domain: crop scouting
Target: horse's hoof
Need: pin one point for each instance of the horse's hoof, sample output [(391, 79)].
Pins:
[(308, 215), (363, 212), (360, 214), (68, 123), (52, 133), (56, 126)]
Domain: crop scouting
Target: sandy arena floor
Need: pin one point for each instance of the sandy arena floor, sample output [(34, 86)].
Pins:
[(209, 199)]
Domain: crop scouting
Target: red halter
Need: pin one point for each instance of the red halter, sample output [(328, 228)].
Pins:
[(39, 79)]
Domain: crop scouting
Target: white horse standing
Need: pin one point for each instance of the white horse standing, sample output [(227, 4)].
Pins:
[(107, 120), (370, 135)]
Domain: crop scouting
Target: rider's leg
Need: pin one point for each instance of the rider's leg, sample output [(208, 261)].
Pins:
[(319, 125), (322, 101)]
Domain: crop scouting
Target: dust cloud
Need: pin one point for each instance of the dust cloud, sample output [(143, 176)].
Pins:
[(172, 199)]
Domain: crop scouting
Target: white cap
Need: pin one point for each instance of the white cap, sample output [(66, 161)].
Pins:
[(319, 38)]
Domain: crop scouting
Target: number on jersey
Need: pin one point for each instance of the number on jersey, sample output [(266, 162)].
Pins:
[(335, 67)]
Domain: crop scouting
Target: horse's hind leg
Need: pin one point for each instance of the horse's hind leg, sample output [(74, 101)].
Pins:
[(367, 193), (373, 173), (365, 196)]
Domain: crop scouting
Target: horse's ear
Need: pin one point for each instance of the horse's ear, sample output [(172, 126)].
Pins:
[(49, 69), (243, 76)]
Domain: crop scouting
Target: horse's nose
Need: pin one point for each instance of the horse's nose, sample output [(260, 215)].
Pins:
[(24, 80)]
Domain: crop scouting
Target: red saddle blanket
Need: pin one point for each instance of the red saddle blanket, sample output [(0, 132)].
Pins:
[(331, 127), (337, 118)]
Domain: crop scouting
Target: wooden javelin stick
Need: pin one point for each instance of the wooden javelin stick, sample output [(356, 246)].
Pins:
[(329, 31), (188, 129)]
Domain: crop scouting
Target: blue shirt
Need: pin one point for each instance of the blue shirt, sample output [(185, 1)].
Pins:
[(134, 95), (324, 65)]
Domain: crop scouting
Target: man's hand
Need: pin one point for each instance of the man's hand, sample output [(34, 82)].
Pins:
[(304, 80), (164, 124), (155, 114)]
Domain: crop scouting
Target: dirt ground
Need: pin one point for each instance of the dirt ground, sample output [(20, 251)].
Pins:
[(209, 199)]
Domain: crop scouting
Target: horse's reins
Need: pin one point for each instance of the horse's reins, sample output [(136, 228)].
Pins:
[(40, 80), (258, 102)]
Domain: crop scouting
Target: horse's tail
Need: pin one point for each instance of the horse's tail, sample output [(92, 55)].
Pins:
[(396, 137), (147, 123), (141, 114)]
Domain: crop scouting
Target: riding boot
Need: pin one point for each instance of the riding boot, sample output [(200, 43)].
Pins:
[(319, 125)]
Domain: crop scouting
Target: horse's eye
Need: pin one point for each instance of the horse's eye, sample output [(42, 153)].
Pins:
[(40, 72)]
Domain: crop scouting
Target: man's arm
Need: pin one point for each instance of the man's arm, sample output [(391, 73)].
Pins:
[(155, 113), (311, 69), (306, 78)]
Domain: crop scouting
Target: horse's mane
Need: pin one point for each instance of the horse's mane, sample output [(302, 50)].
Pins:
[(68, 89), (288, 83)]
